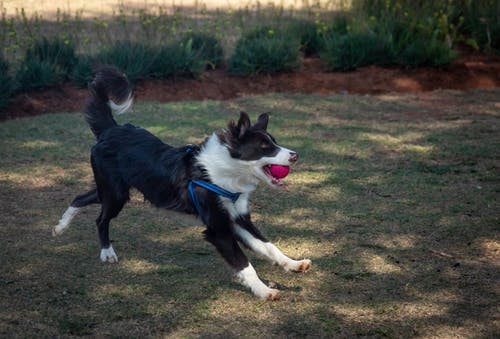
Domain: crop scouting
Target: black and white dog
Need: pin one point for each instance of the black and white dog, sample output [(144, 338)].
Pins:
[(195, 179)]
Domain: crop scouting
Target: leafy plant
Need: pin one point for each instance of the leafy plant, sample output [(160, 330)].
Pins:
[(83, 71), (353, 50), (206, 47), (5, 84), (57, 52), (133, 58), (265, 50), (426, 53), (310, 35), (37, 74), (178, 59), (480, 23), (46, 63)]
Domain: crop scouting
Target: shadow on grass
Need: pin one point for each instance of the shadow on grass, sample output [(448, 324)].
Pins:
[(403, 243)]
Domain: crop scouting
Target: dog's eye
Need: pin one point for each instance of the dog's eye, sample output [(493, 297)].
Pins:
[(265, 145)]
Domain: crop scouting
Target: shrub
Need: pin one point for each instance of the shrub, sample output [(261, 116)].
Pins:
[(310, 35), (83, 71), (133, 58), (426, 53), (339, 25), (140, 61), (352, 50), (262, 32), (37, 74), (57, 52), (5, 84), (46, 63), (207, 48), (265, 50), (178, 59), (480, 22)]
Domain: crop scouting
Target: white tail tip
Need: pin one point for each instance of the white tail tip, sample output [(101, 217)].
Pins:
[(122, 108)]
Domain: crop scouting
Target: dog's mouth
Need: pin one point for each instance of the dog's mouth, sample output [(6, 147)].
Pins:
[(275, 173)]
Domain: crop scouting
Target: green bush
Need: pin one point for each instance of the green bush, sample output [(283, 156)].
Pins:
[(479, 21), (206, 47), (140, 61), (178, 59), (5, 84), (57, 52), (37, 74), (265, 50), (46, 63), (339, 25), (352, 50), (426, 53), (83, 71), (310, 35), (133, 58)]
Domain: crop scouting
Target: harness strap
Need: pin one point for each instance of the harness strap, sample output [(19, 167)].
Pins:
[(210, 187)]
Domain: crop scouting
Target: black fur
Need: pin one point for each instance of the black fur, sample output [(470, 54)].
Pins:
[(108, 84), (128, 156), (242, 138)]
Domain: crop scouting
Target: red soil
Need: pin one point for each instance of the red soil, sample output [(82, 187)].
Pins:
[(468, 72)]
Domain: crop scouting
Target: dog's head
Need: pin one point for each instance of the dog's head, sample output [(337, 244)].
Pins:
[(253, 145)]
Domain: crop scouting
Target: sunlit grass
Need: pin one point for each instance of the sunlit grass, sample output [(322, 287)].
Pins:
[(397, 213)]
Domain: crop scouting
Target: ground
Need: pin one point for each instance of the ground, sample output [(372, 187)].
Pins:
[(470, 71), (394, 198)]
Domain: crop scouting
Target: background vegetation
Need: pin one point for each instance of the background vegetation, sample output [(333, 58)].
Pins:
[(395, 197), (173, 41)]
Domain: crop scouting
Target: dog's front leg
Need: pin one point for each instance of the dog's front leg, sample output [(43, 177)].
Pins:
[(219, 232), (251, 237), (225, 242)]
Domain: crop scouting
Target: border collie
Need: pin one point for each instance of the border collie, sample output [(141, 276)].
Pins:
[(195, 179)]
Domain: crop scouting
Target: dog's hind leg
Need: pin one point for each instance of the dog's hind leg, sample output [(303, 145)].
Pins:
[(82, 200), (111, 207)]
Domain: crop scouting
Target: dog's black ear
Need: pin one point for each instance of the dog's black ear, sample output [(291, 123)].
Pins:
[(262, 122), (243, 124)]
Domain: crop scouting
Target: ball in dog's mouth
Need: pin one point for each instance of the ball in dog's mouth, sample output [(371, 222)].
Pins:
[(276, 173), (279, 171)]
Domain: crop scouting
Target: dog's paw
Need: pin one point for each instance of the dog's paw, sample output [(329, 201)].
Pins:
[(65, 220), (266, 293), (303, 266), (60, 227), (108, 255), (57, 230), (272, 294)]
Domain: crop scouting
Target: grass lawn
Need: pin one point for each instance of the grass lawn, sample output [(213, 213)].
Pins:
[(395, 199)]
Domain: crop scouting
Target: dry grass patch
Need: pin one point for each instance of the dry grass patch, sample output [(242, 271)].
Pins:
[(395, 200)]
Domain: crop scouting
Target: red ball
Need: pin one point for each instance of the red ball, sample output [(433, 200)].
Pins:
[(279, 171)]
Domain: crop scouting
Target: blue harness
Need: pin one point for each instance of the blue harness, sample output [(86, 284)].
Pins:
[(208, 186)]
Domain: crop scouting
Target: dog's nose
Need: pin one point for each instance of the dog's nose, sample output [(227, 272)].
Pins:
[(293, 157)]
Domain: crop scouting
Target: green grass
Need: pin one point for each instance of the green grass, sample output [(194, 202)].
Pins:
[(394, 198)]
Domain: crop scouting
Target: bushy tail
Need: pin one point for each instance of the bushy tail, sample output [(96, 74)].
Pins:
[(110, 92)]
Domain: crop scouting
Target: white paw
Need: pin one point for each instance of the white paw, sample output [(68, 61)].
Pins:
[(265, 293), (66, 218), (271, 295), (249, 278), (300, 266), (58, 230), (108, 255)]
